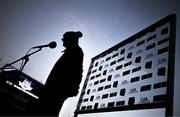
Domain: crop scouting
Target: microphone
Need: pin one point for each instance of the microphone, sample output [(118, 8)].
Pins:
[(51, 45)]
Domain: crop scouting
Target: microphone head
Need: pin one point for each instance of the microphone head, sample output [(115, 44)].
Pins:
[(52, 44)]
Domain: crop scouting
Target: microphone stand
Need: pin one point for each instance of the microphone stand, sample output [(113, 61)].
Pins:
[(26, 58)]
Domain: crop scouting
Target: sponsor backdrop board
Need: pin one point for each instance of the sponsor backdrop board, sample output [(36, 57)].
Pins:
[(137, 73)]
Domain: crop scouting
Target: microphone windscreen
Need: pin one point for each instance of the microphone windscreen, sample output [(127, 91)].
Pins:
[(52, 44)]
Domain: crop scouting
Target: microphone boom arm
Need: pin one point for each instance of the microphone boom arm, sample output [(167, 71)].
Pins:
[(26, 58)]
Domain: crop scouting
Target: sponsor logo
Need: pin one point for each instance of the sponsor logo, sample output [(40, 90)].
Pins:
[(94, 90), (90, 84), (102, 62), (161, 61), (103, 105), (144, 100), (133, 90), (117, 75), (124, 82), (107, 65), (98, 97), (111, 70), (149, 55), (139, 51), (130, 48)]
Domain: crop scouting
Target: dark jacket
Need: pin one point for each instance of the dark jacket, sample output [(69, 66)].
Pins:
[(66, 74), (63, 82)]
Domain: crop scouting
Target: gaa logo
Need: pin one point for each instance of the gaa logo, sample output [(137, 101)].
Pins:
[(139, 51), (149, 55), (117, 75), (111, 70), (102, 62), (162, 60), (94, 90), (106, 66), (130, 48), (103, 105), (133, 90), (124, 82), (90, 84), (98, 97), (144, 100)]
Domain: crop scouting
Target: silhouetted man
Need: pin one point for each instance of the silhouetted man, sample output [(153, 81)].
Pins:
[(65, 77)]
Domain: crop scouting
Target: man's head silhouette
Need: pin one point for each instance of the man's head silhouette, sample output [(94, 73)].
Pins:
[(71, 38)]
